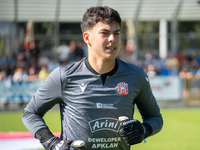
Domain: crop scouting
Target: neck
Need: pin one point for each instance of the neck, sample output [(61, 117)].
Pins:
[(102, 66)]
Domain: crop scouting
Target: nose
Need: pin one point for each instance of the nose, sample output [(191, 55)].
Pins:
[(111, 38)]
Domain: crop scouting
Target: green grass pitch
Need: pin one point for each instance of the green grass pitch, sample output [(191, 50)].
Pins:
[(181, 130)]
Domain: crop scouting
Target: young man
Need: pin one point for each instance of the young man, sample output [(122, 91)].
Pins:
[(94, 92)]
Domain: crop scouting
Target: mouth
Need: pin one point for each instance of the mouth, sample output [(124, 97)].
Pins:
[(111, 48)]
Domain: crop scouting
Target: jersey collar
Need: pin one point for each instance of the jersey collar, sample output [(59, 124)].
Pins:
[(110, 73)]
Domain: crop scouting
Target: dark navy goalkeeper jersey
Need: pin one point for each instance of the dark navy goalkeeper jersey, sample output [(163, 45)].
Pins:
[(90, 106)]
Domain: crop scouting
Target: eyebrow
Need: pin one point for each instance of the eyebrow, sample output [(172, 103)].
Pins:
[(118, 30)]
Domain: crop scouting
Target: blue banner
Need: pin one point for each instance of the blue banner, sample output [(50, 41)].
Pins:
[(14, 92)]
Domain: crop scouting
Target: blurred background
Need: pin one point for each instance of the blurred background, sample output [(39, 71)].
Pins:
[(162, 36)]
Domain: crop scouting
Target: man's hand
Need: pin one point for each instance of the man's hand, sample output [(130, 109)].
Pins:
[(132, 131), (51, 142), (56, 143)]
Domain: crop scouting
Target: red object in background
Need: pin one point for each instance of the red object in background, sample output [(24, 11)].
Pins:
[(19, 135), (29, 38)]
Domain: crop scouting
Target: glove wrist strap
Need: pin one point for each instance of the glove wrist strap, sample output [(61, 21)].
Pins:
[(147, 129), (43, 135)]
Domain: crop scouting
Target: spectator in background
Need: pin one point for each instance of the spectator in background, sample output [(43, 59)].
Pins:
[(11, 60), (3, 75), (129, 59), (141, 62), (32, 75), (35, 52), (21, 61), (149, 56), (33, 63), (185, 73), (126, 56), (83, 46), (159, 64), (164, 71), (43, 73), (34, 56), (19, 75), (43, 60), (180, 57), (2, 61), (151, 71), (172, 64), (189, 56), (76, 52), (53, 64), (190, 61), (21, 48), (63, 52)]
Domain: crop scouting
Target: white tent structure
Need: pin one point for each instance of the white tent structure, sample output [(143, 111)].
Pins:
[(72, 10)]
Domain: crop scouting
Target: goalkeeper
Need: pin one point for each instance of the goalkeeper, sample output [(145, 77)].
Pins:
[(94, 92)]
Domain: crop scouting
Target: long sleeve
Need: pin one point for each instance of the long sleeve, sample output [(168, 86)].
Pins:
[(148, 106), (43, 100)]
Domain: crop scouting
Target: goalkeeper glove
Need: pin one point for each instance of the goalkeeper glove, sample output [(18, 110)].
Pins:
[(51, 142), (132, 131)]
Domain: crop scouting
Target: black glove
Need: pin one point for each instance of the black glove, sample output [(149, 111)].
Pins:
[(56, 143), (132, 131), (51, 142)]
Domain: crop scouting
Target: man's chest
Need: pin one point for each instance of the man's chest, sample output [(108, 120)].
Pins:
[(114, 93)]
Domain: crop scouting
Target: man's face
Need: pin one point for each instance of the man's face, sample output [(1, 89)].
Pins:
[(104, 41)]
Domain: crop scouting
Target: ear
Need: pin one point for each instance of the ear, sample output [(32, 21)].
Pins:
[(86, 38)]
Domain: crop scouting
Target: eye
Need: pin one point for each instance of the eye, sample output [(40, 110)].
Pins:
[(104, 33)]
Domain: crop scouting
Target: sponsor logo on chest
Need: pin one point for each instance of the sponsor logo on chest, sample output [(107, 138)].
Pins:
[(104, 124)]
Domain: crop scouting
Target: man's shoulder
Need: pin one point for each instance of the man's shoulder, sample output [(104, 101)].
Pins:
[(73, 67), (128, 66)]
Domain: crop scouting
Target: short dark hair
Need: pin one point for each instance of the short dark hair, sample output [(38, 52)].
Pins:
[(97, 14)]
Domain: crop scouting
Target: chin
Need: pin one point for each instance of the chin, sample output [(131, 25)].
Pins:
[(111, 57)]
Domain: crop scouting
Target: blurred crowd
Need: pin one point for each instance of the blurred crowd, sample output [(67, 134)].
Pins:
[(34, 64), (185, 64)]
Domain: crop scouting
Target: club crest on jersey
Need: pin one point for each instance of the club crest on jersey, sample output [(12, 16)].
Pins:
[(122, 88)]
